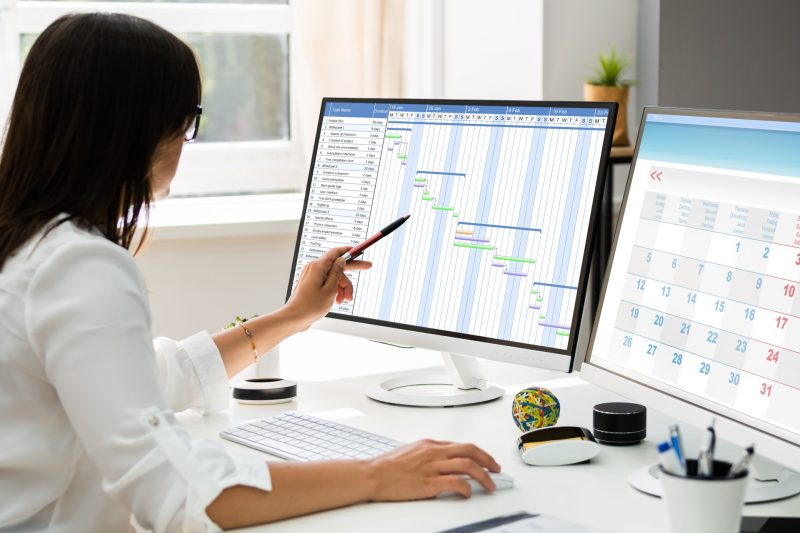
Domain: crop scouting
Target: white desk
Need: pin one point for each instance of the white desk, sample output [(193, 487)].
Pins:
[(596, 494)]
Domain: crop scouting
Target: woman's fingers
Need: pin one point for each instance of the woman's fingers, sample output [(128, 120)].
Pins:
[(428, 468), (358, 265), (462, 465), (345, 286), (322, 283), (328, 259), (341, 296), (470, 451), (333, 253), (452, 483), (439, 442), (335, 274), (345, 291)]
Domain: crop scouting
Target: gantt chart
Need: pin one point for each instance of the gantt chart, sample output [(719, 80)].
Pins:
[(500, 200)]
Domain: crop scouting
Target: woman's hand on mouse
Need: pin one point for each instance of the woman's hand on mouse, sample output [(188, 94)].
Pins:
[(428, 468), (322, 283)]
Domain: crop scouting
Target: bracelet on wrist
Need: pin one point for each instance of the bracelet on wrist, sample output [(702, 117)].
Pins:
[(238, 321)]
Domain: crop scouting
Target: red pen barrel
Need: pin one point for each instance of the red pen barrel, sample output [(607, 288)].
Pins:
[(354, 251)]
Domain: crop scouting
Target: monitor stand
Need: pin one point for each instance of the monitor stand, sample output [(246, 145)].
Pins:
[(769, 481), (463, 383)]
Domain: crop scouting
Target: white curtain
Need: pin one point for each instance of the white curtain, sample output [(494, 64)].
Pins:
[(346, 48), (9, 59)]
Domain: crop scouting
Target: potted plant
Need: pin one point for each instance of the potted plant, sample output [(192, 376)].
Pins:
[(609, 86)]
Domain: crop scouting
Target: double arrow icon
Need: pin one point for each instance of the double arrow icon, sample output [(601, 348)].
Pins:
[(655, 175)]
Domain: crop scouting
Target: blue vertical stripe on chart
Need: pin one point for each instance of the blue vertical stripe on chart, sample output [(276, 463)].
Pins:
[(443, 198), (521, 237), (484, 207), (568, 223), (404, 207)]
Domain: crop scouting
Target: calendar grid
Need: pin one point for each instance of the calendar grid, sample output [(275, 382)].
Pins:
[(708, 303), (787, 350), (719, 232), (717, 264), (701, 302), (727, 299), (684, 352)]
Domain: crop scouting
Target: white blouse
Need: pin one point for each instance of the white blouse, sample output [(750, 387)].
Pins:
[(87, 431)]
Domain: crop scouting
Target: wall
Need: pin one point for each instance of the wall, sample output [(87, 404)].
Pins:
[(647, 54), (522, 49), (575, 33), (199, 284), (492, 50), (9, 55), (730, 54)]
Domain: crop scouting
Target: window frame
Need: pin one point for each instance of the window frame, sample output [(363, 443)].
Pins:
[(245, 167)]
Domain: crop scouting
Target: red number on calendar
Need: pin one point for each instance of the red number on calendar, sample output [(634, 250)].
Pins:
[(780, 322), (773, 355), (797, 261), (766, 390), (788, 290)]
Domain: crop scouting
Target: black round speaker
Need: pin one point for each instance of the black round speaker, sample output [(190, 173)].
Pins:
[(620, 423), (265, 390)]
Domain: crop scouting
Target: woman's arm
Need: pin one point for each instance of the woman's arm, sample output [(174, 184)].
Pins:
[(417, 471), (322, 282), (88, 325), (268, 331)]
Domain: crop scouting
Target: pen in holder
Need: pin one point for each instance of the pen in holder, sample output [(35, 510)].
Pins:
[(710, 504)]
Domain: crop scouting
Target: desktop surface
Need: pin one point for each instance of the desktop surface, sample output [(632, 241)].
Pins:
[(333, 371)]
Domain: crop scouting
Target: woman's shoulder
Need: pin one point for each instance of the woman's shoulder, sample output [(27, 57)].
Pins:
[(66, 245), (58, 236)]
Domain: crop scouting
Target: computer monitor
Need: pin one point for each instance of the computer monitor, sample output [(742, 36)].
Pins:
[(494, 260), (700, 312)]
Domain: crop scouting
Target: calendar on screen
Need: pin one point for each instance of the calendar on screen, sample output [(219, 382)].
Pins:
[(703, 291)]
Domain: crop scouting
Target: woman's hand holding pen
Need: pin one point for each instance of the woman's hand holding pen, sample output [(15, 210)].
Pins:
[(323, 283)]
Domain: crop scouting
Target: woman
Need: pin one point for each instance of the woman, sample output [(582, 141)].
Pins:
[(103, 107)]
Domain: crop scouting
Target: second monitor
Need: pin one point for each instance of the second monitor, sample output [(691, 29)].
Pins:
[(494, 260)]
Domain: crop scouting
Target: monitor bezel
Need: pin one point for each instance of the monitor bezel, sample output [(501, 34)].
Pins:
[(771, 441), (451, 341)]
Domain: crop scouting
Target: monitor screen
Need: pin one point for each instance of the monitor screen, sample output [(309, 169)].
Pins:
[(501, 197), (702, 300)]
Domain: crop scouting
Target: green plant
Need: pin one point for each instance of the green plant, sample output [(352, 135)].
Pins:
[(238, 320), (610, 70)]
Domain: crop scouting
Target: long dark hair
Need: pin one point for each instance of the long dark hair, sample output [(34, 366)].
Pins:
[(96, 96)]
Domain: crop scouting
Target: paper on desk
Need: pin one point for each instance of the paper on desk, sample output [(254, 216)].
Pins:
[(550, 524), (525, 523)]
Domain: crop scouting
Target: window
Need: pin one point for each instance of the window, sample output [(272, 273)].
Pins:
[(244, 49)]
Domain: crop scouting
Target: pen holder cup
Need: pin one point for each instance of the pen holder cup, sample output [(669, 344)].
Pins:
[(704, 504)]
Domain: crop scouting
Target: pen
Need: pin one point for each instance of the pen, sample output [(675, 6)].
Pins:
[(667, 459), (677, 446), (705, 460), (743, 462), (358, 249)]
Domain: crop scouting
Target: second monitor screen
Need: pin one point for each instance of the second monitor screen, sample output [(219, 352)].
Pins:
[(500, 199)]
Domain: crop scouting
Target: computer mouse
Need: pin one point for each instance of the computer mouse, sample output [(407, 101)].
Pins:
[(501, 480), (557, 445)]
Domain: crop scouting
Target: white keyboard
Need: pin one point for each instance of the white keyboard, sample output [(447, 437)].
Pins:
[(301, 437)]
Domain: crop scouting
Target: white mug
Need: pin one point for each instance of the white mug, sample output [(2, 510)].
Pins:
[(704, 505)]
